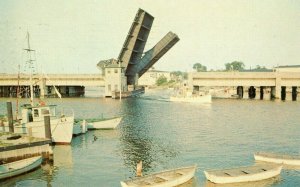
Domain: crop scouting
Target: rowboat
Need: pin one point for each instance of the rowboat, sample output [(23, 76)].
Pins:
[(107, 123), (19, 167), (163, 179), (278, 158), (243, 174)]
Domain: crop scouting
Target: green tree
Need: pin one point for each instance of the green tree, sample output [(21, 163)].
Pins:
[(199, 67), (258, 67), (234, 66), (161, 80), (180, 74)]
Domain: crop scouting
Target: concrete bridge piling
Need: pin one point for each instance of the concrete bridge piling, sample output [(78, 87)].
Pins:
[(252, 85)]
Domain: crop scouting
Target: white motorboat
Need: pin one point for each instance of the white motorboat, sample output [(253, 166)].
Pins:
[(79, 127), (32, 123), (278, 158), (105, 123), (167, 178), (19, 167), (191, 98), (243, 174)]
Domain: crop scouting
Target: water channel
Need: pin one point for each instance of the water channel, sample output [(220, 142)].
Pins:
[(164, 135)]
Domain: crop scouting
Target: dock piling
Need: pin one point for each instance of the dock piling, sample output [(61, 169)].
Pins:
[(10, 116), (47, 127)]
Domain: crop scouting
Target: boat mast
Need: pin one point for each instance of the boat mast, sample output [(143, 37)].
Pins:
[(120, 80), (18, 92), (30, 64)]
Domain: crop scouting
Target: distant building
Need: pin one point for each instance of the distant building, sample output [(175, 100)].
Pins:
[(150, 77), (289, 68)]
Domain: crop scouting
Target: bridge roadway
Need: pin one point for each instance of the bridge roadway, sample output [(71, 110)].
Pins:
[(70, 82), (275, 80)]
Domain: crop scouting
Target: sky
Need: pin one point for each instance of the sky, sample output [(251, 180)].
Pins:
[(72, 36)]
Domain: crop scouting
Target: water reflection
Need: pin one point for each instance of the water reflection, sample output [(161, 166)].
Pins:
[(62, 157), (136, 143), (138, 137)]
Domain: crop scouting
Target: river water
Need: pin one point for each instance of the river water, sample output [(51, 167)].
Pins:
[(165, 135)]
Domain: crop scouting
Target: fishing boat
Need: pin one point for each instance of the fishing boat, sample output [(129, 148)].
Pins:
[(104, 123), (191, 97), (19, 167), (79, 127), (32, 123), (167, 178), (32, 115), (243, 174), (278, 158)]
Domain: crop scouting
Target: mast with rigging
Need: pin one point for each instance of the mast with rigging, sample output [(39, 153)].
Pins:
[(30, 65)]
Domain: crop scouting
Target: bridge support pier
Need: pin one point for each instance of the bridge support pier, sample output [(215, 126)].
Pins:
[(294, 93), (261, 95), (252, 92), (278, 88)]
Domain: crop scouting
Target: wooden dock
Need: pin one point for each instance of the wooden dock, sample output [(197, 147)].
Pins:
[(18, 146)]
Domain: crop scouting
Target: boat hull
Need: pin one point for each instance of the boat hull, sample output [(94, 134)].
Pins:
[(79, 128), (242, 174), (61, 129), (104, 124), (163, 179), (279, 159), (19, 167)]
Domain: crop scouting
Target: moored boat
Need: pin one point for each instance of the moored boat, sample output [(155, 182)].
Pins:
[(167, 178), (243, 174), (106, 123), (79, 127), (32, 123), (19, 167), (278, 158)]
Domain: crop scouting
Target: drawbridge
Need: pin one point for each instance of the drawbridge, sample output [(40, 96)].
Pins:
[(132, 56)]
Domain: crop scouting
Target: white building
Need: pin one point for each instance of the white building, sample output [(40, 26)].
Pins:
[(114, 74), (150, 77)]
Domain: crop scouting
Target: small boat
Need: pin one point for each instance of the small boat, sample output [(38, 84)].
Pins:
[(243, 174), (19, 167), (163, 179), (192, 98), (79, 127), (106, 123), (278, 158)]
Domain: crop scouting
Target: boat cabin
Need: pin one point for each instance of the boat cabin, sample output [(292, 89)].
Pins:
[(37, 113)]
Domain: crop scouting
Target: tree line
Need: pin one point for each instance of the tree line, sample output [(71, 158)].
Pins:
[(233, 66)]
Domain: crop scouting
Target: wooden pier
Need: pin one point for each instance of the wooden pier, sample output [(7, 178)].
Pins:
[(16, 146)]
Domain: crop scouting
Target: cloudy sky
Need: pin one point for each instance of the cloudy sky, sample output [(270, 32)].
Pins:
[(71, 36)]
